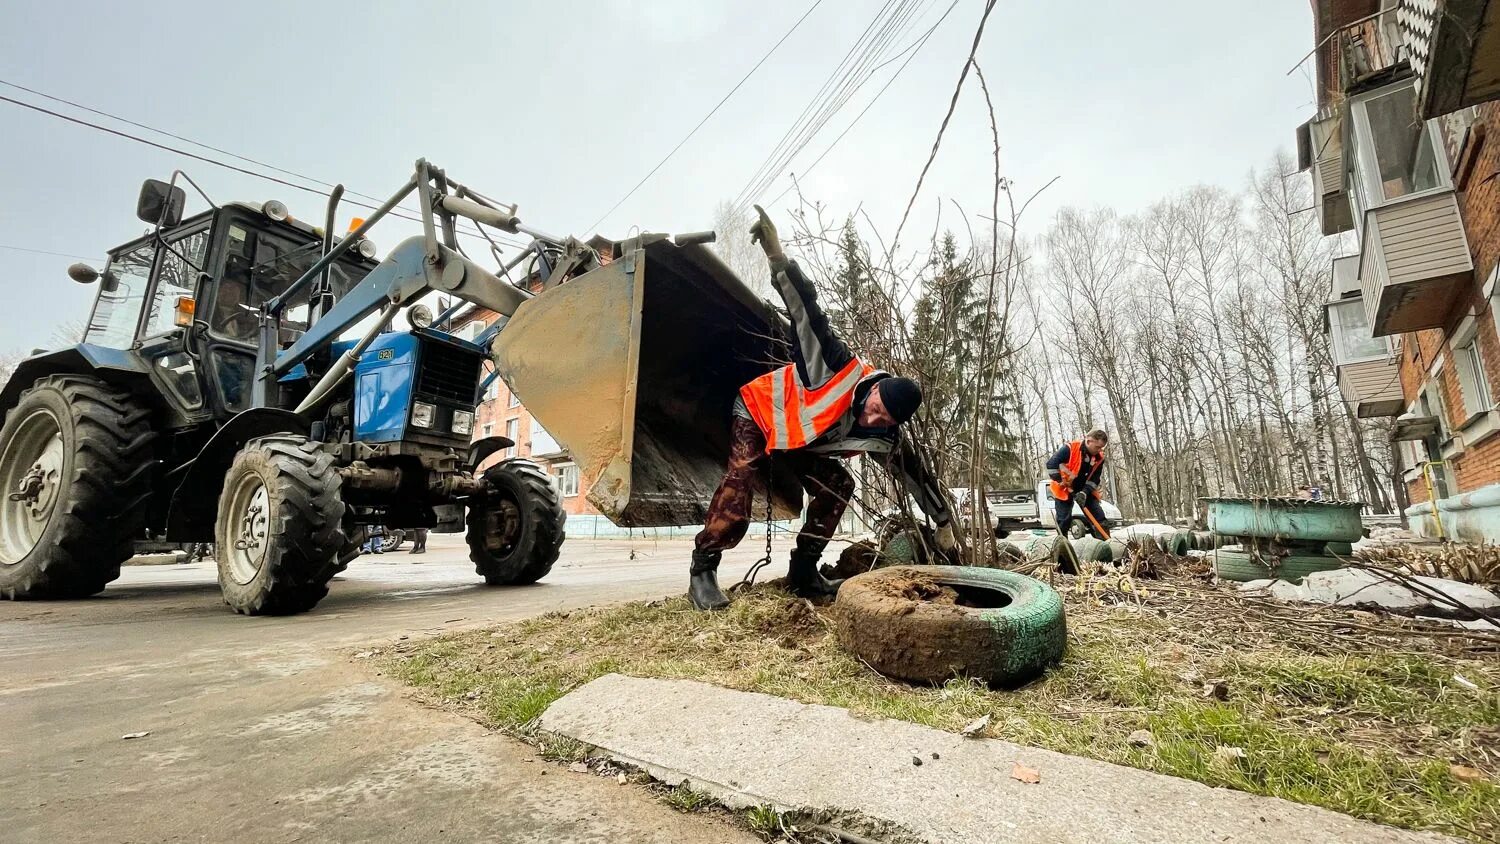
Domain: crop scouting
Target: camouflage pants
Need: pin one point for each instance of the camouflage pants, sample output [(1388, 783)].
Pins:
[(823, 477)]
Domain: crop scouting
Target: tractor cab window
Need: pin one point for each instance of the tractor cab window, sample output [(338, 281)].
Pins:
[(176, 277), (122, 295), (261, 264)]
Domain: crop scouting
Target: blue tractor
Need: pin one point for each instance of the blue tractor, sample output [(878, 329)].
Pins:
[(239, 382)]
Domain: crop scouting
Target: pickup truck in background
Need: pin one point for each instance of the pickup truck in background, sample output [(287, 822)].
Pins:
[(1019, 509)]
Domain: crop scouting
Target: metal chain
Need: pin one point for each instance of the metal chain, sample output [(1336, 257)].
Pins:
[(749, 579)]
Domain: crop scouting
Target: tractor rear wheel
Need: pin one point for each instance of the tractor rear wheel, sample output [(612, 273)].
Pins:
[(516, 531), (75, 471), (280, 527)]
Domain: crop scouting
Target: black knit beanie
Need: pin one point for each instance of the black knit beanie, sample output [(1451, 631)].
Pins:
[(901, 396)]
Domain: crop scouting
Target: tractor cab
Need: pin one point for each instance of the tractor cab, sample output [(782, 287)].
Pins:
[(186, 297)]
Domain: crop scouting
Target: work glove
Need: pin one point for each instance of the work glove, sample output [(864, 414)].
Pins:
[(764, 233), (1081, 498), (946, 541)]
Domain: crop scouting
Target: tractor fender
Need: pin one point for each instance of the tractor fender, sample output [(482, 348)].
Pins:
[(483, 448), (195, 500), (117, 367)]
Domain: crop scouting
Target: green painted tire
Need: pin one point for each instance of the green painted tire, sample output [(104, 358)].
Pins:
[(1240, 567), (1179, 543), (884, 621), (1342, 549)]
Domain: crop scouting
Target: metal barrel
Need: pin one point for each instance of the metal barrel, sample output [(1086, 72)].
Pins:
[(634, 368)]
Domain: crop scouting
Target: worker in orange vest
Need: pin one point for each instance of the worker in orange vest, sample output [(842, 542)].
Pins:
[(824, 405), (1075, 471)]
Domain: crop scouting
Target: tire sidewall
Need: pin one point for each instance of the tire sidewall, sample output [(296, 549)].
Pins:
[(43, 395), (253, 593)]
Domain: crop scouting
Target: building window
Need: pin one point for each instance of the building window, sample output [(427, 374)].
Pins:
[(1353, 343), (1396, 154), (515, 400), (489, 429), (1469, 365), (512, 433), (492, 392), (568, 479)]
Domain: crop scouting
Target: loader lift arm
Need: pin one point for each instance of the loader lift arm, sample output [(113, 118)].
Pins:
[(417, 266)]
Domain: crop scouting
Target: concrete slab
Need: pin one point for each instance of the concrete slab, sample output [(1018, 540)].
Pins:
[(754, 749)]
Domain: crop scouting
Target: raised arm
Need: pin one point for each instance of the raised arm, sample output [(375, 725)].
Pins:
[(818, 352)]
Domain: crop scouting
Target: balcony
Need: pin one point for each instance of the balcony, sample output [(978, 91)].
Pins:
[(1414, 263), (1368, 374), (1454, 49), (1370, 52), (1320, 146)]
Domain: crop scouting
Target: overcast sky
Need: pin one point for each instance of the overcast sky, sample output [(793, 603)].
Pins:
[(563, 106)]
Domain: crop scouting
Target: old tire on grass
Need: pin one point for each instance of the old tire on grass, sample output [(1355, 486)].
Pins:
[(1241, 567), (78, 454), (279, 530), (1016, 630), (1179, 543), (515, 532)]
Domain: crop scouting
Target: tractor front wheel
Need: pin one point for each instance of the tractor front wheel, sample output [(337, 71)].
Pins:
[(75, 471), (280, 527), (516, 530)]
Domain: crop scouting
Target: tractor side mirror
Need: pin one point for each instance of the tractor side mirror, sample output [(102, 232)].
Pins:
[(83, 273), (160, 204)]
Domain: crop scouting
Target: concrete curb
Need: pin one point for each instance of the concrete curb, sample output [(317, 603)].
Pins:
[(752, 749)]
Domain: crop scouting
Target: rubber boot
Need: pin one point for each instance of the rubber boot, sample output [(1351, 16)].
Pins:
[(803, 578), (703, 586)]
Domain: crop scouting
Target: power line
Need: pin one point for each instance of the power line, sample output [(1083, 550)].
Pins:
[(45, 252), (816, 98), (842, 85), (711, 113), (910, 53), (213, 161)]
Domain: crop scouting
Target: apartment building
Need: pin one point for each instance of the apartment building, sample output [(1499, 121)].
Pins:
[(1400, 155)]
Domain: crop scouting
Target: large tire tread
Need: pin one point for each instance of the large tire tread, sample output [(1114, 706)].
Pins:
[(103, 510), (542, 539), (306, 539)]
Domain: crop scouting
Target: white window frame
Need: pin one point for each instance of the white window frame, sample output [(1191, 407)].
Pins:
[(567, 481), (1468, 366), (1368, 191), (515, 400), (513, 433), (488, 429), (1335, 320)]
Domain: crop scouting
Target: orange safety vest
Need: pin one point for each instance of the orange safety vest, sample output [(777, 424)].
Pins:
[(1069, 471), (790, 415)]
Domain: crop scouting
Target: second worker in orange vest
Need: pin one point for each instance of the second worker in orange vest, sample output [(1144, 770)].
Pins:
[(824, 405)]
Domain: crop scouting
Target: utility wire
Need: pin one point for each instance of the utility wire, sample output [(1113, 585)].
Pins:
[(711, 113), (845, 86), (910, 53), (208, 160), (816, 98), (45, 252)]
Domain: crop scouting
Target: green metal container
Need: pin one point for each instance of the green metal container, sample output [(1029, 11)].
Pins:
[(1285, 519)]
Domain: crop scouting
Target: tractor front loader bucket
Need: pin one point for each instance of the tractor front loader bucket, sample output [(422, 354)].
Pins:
[(634, 368)]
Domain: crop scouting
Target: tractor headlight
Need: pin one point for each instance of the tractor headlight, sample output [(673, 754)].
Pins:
[(419, 315), (422, 414), (275, 209), (366, 247), (463, 422)]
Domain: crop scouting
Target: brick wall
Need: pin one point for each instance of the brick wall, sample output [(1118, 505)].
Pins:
[(1479, 202)]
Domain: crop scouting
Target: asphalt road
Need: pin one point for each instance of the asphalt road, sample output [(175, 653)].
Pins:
[(267, 729)]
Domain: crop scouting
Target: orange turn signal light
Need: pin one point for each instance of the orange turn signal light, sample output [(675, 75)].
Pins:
[(186, 307)]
